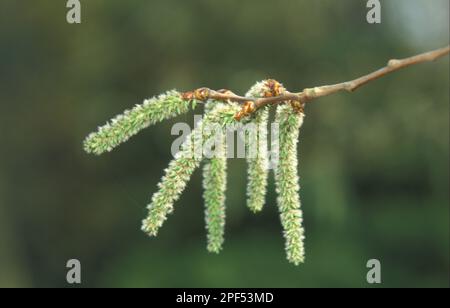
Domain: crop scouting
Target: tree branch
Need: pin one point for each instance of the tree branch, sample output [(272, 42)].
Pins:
[(251, 104)]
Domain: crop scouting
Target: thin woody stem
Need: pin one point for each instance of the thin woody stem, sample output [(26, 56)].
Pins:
[(392, 65), (310, 94)]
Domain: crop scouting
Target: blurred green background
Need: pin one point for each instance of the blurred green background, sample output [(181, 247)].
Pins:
[(374, 164)]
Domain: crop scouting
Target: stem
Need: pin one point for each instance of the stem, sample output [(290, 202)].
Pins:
[(392, 65), (310, 94)]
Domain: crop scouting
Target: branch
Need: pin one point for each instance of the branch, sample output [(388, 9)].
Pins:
[(392, 65), (251, 104)]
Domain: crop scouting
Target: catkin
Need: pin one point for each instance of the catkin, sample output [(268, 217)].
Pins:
[(287, 182), (180, 169), (257, 153), (129, 123)]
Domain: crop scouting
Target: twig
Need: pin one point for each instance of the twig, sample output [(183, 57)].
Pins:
[(252, 104)]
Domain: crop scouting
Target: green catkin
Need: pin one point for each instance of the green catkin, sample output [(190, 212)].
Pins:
[(287, 182), (129, 123), (180, 169), (214, 185), (257, 162)]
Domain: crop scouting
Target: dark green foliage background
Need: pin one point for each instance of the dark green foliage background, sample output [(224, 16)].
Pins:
[(374, 164)]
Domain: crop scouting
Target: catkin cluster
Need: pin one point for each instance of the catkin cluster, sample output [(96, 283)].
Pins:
[(220, 115)]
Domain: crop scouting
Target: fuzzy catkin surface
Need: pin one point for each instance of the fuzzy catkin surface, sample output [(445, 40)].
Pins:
[(214, 185), (287, 182), (130, 122), (181, 168), (257, 154)]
